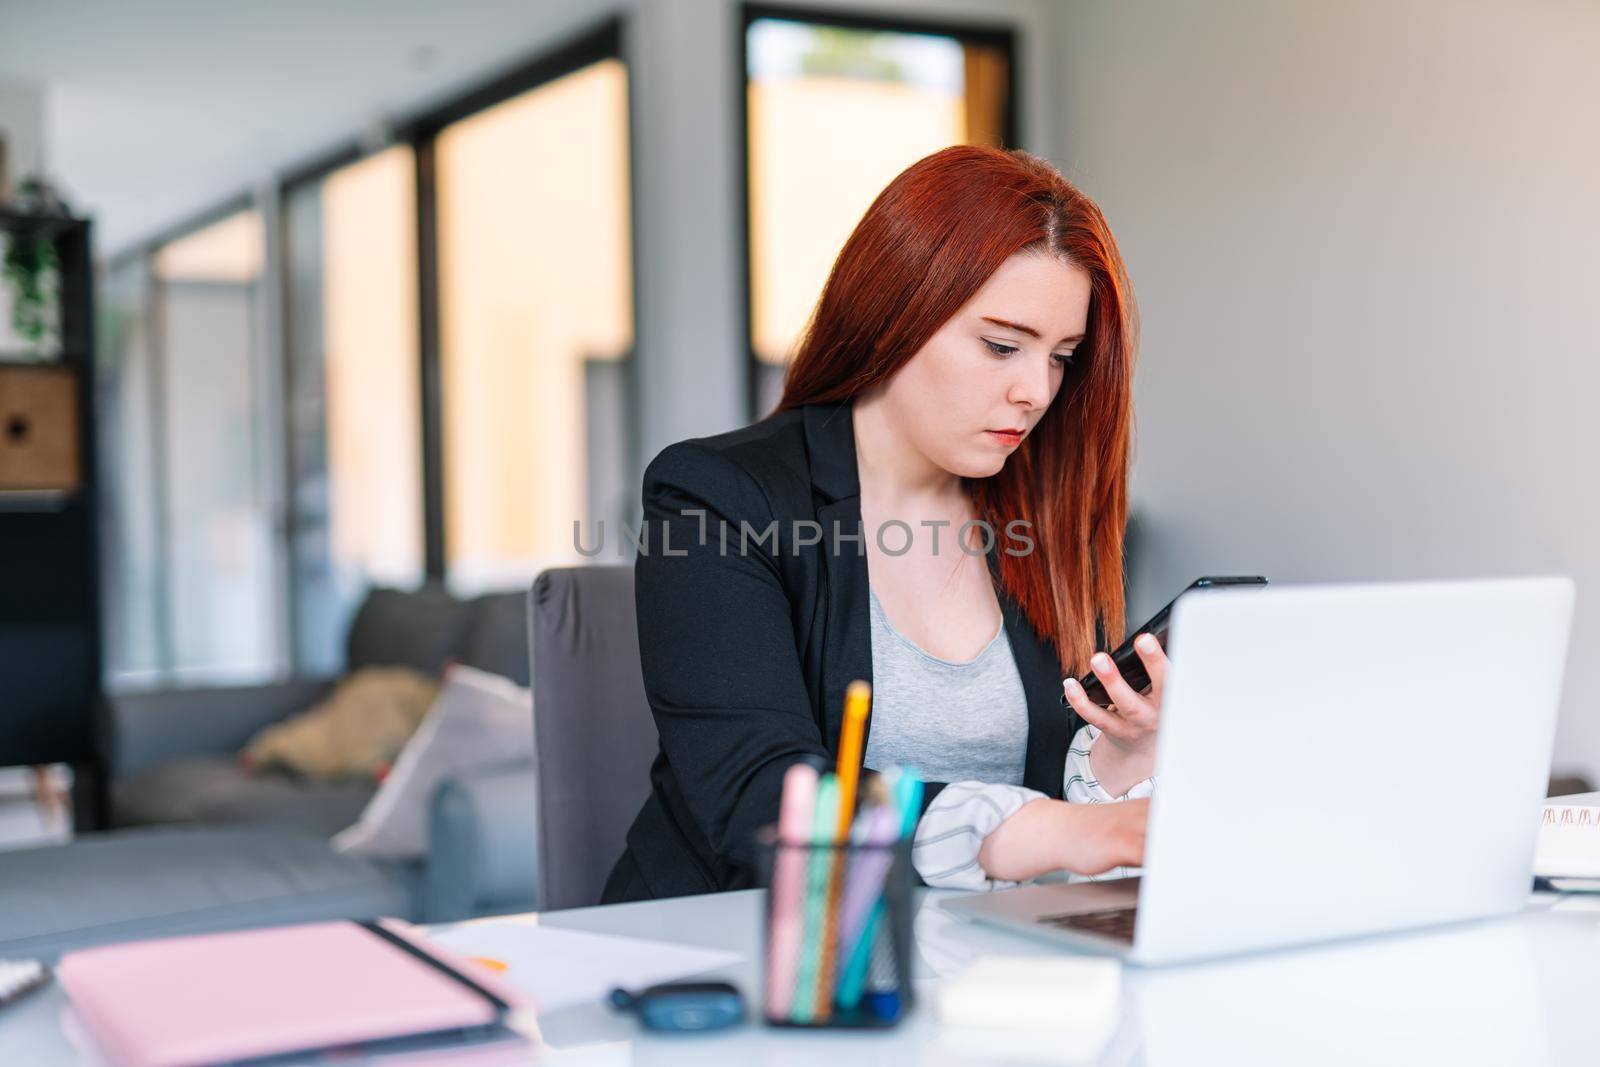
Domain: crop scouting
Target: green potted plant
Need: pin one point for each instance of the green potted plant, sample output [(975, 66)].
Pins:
[(31, 270)]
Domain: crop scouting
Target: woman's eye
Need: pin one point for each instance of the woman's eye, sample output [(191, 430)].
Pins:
[(1063, 359), (999, 349)]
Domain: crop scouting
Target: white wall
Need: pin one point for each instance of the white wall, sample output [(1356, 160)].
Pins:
[(22, 127), (690, 355), (1364, 237)]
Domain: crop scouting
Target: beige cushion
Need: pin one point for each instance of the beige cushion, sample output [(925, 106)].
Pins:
[(356, 732)]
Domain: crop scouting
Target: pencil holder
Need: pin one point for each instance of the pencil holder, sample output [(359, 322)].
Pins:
[(837, 933)]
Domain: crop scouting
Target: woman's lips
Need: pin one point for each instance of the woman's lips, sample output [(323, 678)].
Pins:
[(1009, 437)]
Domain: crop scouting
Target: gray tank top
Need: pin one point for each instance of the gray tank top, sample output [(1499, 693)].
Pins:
[(951, 721)]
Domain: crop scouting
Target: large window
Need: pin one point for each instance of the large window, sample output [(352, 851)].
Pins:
[(223, 614), (835, 109), (536, 323), (355, 408), (413, 365)]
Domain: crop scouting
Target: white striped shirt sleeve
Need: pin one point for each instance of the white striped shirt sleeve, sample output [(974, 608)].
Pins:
[(952, 830)]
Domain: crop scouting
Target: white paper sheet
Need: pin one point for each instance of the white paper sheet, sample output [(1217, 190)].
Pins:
[(561, 968)]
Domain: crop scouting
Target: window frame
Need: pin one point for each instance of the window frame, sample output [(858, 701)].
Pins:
[(988, 34)]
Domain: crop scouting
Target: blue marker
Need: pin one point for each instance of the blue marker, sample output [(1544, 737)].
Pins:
[(905, 789)]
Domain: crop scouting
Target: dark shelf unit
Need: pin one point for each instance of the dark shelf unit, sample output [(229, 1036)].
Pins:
[(50, 627), (28, 360)]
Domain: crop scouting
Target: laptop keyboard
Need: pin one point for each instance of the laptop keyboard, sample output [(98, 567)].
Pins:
[(1115, 923)]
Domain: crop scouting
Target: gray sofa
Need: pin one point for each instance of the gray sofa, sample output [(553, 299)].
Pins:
[(200, 845)]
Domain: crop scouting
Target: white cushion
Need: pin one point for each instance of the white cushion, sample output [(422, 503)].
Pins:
[(479, 720)]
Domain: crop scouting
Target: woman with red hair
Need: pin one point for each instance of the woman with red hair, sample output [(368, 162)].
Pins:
[(936, 506)]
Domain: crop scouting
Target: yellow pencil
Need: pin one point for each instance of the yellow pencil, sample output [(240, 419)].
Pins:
[(857, 701)]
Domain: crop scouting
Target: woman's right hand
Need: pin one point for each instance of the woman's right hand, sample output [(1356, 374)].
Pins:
[(1103, 836), (1051, 835)]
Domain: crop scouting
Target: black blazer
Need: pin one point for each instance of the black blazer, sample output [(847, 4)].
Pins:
[(746, 657)]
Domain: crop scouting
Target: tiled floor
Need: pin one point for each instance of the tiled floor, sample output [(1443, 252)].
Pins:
[(22, 824)]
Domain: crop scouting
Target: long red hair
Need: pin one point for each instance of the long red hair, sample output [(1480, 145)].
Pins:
[(925, 246)]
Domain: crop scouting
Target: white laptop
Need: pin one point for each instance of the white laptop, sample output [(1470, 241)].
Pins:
[(1333, 761)]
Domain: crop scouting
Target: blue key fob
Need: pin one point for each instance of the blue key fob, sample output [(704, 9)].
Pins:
[(683, 1007)]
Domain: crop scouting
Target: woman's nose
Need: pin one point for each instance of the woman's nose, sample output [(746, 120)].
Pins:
[(1031, 386)]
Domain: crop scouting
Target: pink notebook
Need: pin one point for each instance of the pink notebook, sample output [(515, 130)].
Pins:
[(211, 998)]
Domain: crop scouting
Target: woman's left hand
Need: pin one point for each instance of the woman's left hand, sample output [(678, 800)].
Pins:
[(1125, 754)]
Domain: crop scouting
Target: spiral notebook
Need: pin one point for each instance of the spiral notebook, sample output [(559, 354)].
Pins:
[(260, 996), (1568, 852)]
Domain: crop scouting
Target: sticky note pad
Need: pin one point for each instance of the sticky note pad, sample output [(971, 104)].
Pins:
[(1035, 993)]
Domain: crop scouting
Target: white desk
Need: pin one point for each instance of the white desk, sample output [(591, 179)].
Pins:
[(1519, 991)]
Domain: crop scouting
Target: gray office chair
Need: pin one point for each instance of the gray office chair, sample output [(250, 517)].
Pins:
[(593, 735)]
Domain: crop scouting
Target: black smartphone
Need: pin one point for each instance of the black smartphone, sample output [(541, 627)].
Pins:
[(1126, 657)]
